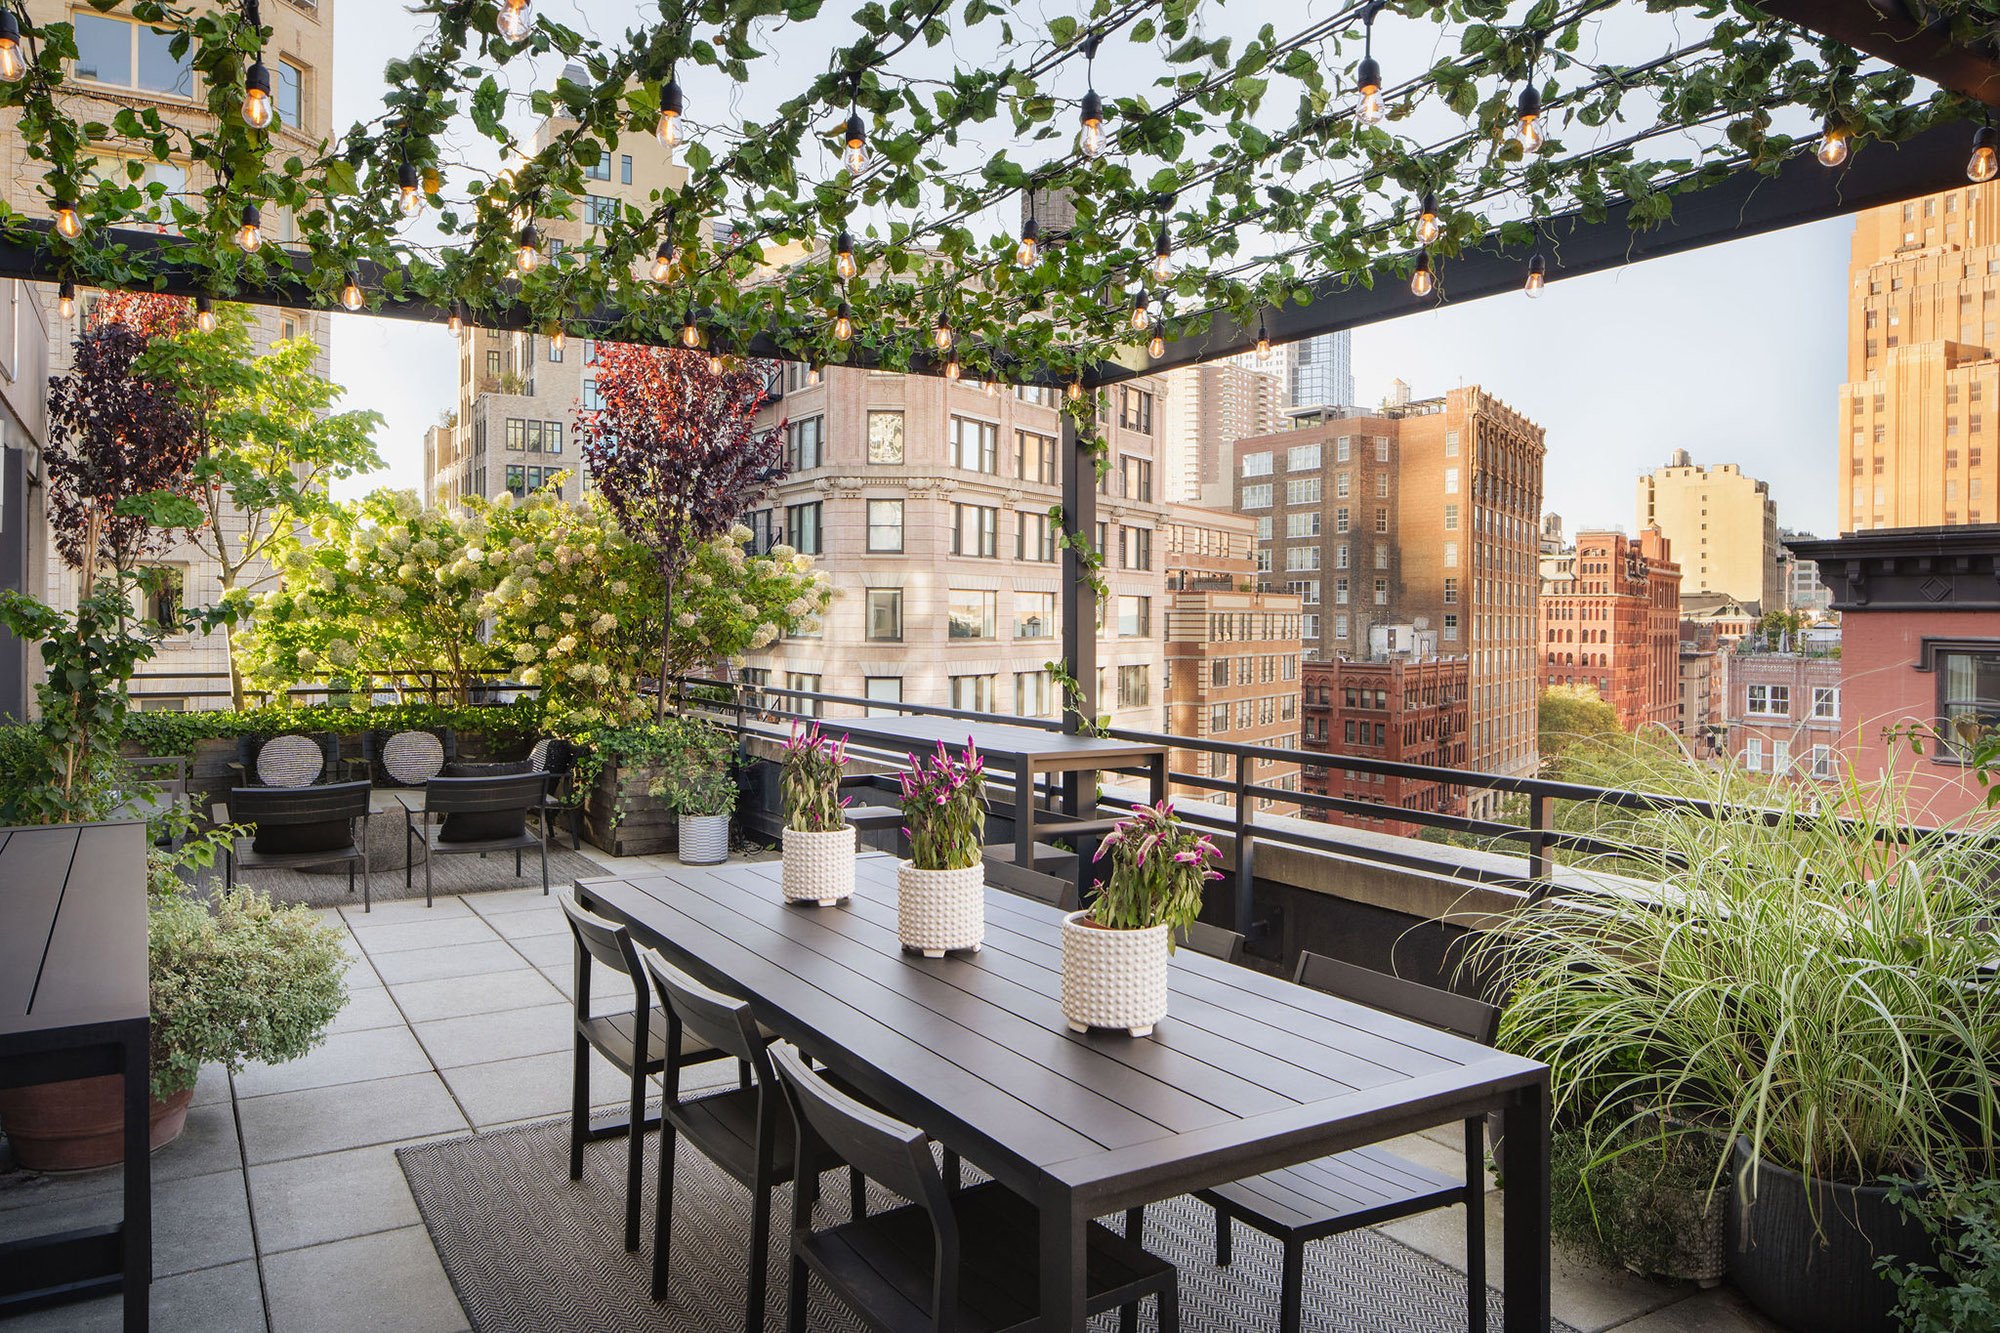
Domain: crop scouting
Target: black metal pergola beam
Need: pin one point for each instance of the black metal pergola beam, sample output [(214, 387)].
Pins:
[(1899, 32)]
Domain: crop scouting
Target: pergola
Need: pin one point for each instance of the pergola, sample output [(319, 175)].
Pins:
[(1210, 216)]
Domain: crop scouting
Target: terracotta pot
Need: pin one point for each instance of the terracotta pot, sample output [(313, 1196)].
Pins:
[(80, 1124)]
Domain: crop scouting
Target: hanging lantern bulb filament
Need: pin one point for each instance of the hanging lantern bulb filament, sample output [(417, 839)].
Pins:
[(715, 363), (1834, 144), (1263, 340), (204, 315), (1141, 314), (1156, 346), (409, 191), (844, 266), (1528, 128), (1538, 268), (515, 16), (1090, 137), (65, 299), (68, 224), (1429, 226), (13, 67), (1030, 248), (1075, 390), (855, 138), (258, 109), (455, 321), (942, 336), (350, 295), (671, 105), (1984, 164), (690, 331), (1422, 281), (558, 338), (663, 261), (1369, 108), (1163, 254), (250, 234), (951, 369), (843, 323), (528, 249)]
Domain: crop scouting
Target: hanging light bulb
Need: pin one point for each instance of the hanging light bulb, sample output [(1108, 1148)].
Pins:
[(992, 388), (1030, 248), (1141, 315), (12, 67), (1537, 277), (1984, 163), (1368, 106), (204, 315), (942, 335), (1074, 391), (455, 321), (528, 249), (1090, 138), (65, 299), (1429, 228), (557, 338), (663, 261), (1156, 346), (409, 193), (844, 266), (258, 109), (1263, 340), (690, 331), (68, 224), (843, 323), (1529, 127), (1421, 280), (1163, 254), (951, 370), (671, 104), (715, 363), (350, 295), (515, 16), (1833, 144), (251, 234), (855, 136)]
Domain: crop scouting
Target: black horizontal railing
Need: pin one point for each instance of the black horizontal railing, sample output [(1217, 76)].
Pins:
[(213, 686)]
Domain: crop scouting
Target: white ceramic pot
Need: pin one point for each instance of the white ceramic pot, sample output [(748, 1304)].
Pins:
[(819, 866), (940, 910), (704, 840), (1113, 978)]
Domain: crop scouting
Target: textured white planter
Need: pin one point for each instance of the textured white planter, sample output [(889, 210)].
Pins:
[(819, 867), (1113, 978), (940, 910), (704, 840)]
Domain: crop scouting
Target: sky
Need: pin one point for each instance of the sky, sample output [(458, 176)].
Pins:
[(1733, 352)]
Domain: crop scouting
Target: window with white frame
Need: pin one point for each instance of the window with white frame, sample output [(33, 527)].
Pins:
[(1302, 557), (1034, 615), (1302, 523), (1302, 491), (1257, 497), (1753, 753), (1257, 464), (1826, 702), (885, 526), (1768, 700), (1302, 458)]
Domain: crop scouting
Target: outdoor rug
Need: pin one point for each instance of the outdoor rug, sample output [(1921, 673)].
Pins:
[(526, 1248), (450, 875)]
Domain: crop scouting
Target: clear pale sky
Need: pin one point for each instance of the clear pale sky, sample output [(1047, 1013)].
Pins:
[(1733, 353)]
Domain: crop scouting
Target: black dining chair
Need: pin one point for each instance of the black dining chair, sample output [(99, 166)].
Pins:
[(555, 759), (1366, 1186), (408, 758), (965, 1259), (1212, 941), (297, 827), (290, 760), (634, 1040), (477, 815)]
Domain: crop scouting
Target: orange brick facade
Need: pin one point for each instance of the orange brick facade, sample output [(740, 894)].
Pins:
[(1409, 710), (1614, 624)]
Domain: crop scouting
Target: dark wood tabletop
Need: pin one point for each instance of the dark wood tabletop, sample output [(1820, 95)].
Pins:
[(1246, 1073), (72, 926)]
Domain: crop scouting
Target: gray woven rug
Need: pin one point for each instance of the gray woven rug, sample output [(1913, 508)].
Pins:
[(449, 875), (528, 1249)]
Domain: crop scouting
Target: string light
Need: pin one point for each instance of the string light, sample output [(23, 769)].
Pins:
[(1263, 340), (1833, 144), (844, 266), (1369, 108), (65, 298), (690, 331), (350, 295), (251, 234), (1421, 279), (663, 261), (1529, 126), (1090, 139), (671, 105), (1163, 253), (1030, 247), (456, 320), (68, 224), (1075, 390), (1429, 227), (13, 68), (942, 335), (1156, 346), (951, 370), (1537, 277), (855, 135), (528, 249), (557, 338), (1140, 315), (515, 16), (204, 315), (258, 110), (1984, 163), (715, 362), (843, 323), (410, 196)]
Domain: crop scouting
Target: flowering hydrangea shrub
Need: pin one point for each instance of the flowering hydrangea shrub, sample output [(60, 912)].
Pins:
[(1159, 867), (944, 806)]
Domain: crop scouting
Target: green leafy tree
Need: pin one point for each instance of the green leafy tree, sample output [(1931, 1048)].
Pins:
[(1775, 627), (1569, 714)]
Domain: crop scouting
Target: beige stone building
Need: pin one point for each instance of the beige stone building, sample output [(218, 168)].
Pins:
[(1206, 409), (1722, 526), (927, 501), (24, 535)]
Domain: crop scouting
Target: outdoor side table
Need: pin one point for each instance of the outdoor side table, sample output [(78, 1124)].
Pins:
[(73, 1004)]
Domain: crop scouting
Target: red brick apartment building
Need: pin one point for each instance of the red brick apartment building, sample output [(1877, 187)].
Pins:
[(1403, 707), (1784, 713), (1611, 619)]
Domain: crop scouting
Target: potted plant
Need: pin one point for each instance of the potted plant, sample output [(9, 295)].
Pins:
[(1114, 952), (941, 889), (698, 778), (237, 980), (818, 840)]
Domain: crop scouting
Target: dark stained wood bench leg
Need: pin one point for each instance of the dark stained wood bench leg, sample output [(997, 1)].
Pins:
[(1475, 1225), (1064, 1244), (579, 1106)]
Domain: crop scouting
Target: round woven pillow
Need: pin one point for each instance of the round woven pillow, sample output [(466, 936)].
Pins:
[(290, 761), (413, 757), (541, 755)]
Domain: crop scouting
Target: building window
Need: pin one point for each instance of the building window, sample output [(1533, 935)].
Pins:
[(1343, 449), (493, 368), (1309, 625), (1303, 491), (1450, 518), (1451, 592), (600, 170), (289, 92), (1135, 548), (1257, 497), (885, 437), (1302, 458), (1135, 477), (1968, 698), (1451, 444), (1381, 592), (1218, 718), (805, 682), (1301, 557), (1135, 617), (1826, 701), (1135, 409), (129, 55), (885, 615), (1822, 761), (1340, 591), (1381, 519), (600, 210), (975, 530), (887, 689), (1340, 627), (1034, 694), (973, 613), (1034, 615), (1753, 754), (972, 694), (625, 170), (1034, 537), (1768, 700), (975, 445), (1304, 523), (1257, 464), (885, 526), (1035, 457), (1134, 686), (803, 441), (802, 523), (1449, 633), (1340, 520)]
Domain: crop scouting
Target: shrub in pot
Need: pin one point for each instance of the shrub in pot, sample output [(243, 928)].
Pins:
[(1114, 952), (818, 840), (941, 889), (1648, 1202), (1811, 1002), (698, 778)]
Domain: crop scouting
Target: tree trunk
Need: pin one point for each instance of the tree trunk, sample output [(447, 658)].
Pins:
[(666, 643)]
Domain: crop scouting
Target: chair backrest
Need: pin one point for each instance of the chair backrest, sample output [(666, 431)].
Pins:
[(293, 821), (291, 760), (410, 758), (550, 754), (483, 809), (1212, 940), (1033, 884), (604, 941), (167, 773), (1475, 1020), (722, 1021)]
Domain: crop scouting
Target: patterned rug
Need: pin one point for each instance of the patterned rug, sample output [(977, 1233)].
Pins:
[(450, 875), (528, 1249)]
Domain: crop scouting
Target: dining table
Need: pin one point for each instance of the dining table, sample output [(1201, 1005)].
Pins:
[(1247, 1073)]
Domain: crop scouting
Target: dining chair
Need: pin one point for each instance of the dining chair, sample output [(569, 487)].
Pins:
[(476, 815), (1365, 1187), (634, 1041), (408, 758), (290, 760), (1213, 941), (297, 827), (555, 759), (946, 1259)]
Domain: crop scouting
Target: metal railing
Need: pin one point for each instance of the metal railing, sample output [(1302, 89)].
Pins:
[(423, 686)]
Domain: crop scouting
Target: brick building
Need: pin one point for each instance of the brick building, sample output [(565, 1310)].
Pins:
[(1404, 704), (1784, 713), (1613, 621), (1698, 719), (1232, 651)]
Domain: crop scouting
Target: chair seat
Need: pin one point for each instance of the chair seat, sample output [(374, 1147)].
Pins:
[(723, 1125), (248, 858), (1352, 1189), (429, 836), (883, 1264), (611, 1036)]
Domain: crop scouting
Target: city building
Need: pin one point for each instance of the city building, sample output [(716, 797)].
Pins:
[(1320, 371), (124, 67), (1916, 426), (1422, 513), (927, 503), (1402, 702), (1205, 409), (1722, 526), (24, 377), (1612, 620), (1717, 616), (1784, 712), (1698, 720), (1919, 657), (1232, 652), (1804, 592), (1556, 556)]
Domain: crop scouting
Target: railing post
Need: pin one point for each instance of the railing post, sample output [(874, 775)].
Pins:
[(1539, 867), (1246, 847), (1079, 604)]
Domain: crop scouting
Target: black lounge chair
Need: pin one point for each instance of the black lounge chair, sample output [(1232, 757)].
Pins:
[(300, 826), (408, 758), (477, 815), (290, 760)]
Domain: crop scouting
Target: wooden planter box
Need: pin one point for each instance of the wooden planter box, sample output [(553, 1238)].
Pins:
[(621, 816)]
